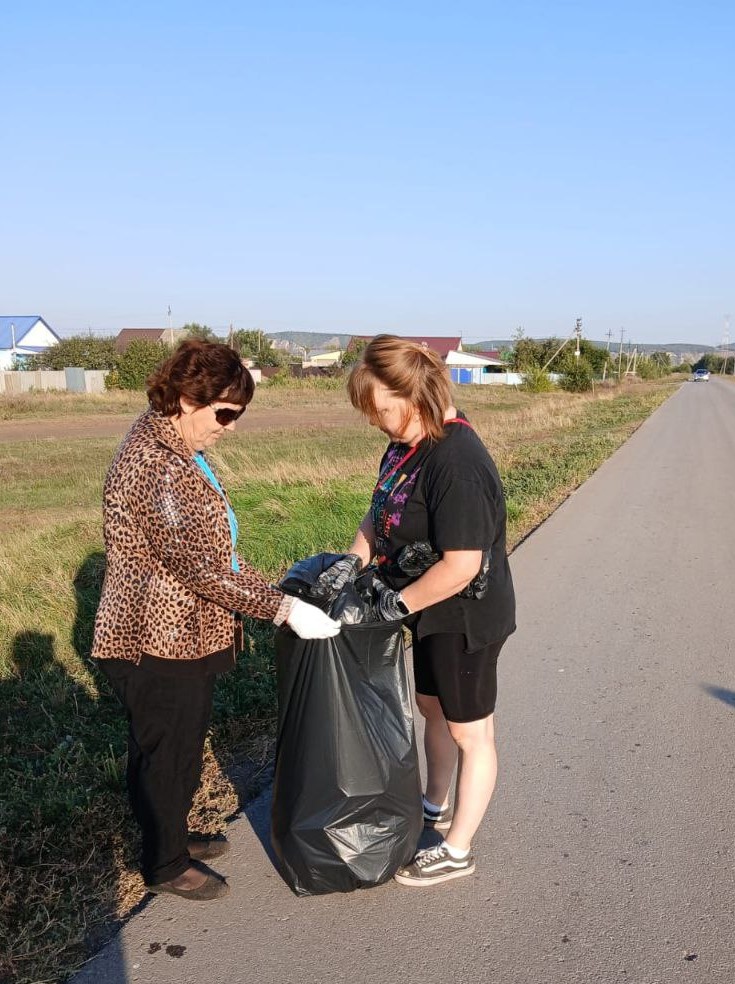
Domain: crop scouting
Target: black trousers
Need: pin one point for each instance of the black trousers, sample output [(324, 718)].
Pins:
[(168, 717)]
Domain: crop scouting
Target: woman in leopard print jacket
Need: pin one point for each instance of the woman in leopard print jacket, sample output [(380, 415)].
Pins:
[(166, 624)]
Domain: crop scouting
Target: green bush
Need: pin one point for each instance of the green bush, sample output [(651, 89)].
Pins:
[(648, 369), (536, 380), (138, 361), (545, 352), (80, 351), (202, 332), (281, 378), (257, 346), (713, 363), (684, 368), (352, 355), (578, 377), (112, 380)]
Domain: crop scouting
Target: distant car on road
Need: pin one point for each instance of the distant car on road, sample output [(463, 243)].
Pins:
[(701, 376)]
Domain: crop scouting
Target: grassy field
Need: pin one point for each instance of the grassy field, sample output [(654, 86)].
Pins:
[(42, 405), (67, 846)]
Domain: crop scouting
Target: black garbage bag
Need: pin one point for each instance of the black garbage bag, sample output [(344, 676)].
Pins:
[(346, 809), (355, 603)]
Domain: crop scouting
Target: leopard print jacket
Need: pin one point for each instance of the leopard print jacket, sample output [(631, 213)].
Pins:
[(169, 588)]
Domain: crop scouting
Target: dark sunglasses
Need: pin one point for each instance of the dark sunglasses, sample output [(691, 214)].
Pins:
[(225, 416)]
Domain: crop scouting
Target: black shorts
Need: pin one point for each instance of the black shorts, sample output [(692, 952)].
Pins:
[(465, 683)]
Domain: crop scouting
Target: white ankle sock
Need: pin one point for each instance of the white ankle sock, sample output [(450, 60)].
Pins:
[(432, 807), (455, 852)]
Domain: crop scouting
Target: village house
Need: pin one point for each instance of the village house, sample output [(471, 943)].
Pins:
[(464, 367), (164, 336), (22, 336)]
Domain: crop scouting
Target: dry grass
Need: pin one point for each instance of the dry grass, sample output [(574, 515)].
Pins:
[(61, 404), (56, 403)]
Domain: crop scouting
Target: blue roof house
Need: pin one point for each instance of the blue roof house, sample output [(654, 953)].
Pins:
[(23, 335)]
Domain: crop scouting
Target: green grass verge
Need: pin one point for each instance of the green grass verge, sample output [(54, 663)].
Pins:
[(284, 523)]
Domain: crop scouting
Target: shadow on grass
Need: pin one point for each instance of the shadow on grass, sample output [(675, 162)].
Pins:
[(62, 846)]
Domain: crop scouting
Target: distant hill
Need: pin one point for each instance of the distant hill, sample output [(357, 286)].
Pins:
[(311, 339), (678, 347)]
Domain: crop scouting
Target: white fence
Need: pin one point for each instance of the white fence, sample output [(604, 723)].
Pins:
[(477, 377), (480, 377), (71, 380), (501, 379)]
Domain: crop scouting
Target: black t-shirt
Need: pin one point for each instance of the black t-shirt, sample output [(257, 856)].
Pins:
[(448, 493)]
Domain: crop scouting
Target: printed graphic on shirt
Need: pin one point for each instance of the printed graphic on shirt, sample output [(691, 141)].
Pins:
[(392, 492)]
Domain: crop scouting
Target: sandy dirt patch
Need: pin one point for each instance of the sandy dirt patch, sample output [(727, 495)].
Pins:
[(104, 425)]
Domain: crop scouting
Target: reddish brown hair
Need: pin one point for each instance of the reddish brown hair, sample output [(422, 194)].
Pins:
[(202, 372), (410, 370)]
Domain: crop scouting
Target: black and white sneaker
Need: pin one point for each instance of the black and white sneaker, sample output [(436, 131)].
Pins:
[(438, 819), (434, 865)]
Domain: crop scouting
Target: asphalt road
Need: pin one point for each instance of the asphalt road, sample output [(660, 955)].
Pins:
[(607, 854)]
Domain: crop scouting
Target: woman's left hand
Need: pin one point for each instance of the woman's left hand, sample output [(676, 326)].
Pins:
[(391, 607)]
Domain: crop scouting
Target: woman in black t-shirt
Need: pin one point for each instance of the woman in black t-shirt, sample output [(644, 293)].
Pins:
[(436, 527)]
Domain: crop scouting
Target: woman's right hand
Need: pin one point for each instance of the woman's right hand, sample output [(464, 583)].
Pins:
[(310, 622), (333, 579)]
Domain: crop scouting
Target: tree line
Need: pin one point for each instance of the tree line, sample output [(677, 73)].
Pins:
[(130, 369), (535, 358)]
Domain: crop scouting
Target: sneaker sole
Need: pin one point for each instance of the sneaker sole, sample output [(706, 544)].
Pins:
[(437, 824), (433, 879)]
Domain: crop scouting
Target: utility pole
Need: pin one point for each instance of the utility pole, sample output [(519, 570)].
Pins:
[(565, 342), (620, 354), (578, 333), (607, 360), (726, 344)]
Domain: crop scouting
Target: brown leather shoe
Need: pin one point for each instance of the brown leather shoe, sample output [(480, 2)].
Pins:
[(213, 888), (201, 849)]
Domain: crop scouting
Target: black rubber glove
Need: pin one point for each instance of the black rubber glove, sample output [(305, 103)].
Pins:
[(331, 581), (390, 606)]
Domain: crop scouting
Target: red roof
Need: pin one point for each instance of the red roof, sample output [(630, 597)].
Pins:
[(443, 344)]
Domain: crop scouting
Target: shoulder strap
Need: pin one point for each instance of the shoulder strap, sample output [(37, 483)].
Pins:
[(459, 420)]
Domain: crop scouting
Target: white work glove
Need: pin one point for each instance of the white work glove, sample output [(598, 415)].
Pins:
[(310, 622)]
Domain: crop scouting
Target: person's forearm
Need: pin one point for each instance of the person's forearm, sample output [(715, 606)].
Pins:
[(441, 581), (364, 543)]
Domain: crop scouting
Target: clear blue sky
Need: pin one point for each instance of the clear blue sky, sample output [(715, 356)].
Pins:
[(422, 167)]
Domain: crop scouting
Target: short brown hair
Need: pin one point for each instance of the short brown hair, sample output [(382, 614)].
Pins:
[(201, 372), (410, 370)]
